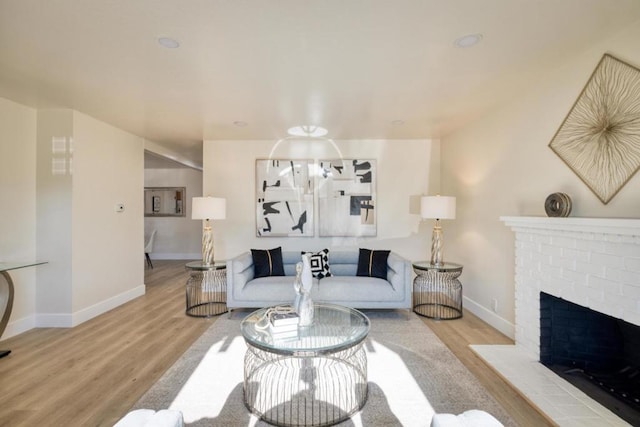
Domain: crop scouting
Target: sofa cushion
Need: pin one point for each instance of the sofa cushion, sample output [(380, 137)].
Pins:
[(344, 289), (271, 290), (372, 263), (267, 262), (319, 262)]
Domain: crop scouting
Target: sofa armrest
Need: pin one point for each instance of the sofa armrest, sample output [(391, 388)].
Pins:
[(239, 272), (399, 275)]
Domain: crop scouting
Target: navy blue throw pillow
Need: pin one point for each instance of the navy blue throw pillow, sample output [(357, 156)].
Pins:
[(267, 262), (372, 263)]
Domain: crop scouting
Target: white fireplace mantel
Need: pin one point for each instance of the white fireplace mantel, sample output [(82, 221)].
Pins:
[(612, 226)]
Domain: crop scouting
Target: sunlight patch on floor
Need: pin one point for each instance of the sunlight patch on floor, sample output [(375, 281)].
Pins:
[(206, 391), (404, 396)]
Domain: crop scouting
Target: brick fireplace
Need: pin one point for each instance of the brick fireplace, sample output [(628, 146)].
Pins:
[(592, 262)]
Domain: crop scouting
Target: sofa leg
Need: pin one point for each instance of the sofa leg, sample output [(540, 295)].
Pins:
[(407, 311)]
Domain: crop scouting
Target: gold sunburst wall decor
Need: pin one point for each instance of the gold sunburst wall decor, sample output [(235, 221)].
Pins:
[(600, 137)]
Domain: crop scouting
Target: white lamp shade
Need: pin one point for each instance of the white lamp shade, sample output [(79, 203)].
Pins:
[(208, 208), (438, 207)]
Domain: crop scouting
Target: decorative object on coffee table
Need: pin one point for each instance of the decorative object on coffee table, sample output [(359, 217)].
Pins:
[(206, 289), (437, 292), (437, 207), (318, 378), (599, 138), (208, 208), (557, 204), (305, 306), (297, 287)]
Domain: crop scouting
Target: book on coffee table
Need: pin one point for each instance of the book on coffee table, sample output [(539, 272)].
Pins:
[(284, 319), (284, 334), (279, 329)]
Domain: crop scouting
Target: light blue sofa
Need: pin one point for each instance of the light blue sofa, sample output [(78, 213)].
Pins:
[(343, 287)]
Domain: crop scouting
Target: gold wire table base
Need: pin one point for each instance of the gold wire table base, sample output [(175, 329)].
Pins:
[(437, 294), (317, 390), (206, 293)]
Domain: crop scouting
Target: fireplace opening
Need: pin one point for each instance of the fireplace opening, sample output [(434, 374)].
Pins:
[(597, 353)]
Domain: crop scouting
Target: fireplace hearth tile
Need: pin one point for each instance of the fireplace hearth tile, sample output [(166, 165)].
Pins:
[(559, 400)]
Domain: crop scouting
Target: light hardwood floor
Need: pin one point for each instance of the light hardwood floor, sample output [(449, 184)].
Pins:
[(92, 374)]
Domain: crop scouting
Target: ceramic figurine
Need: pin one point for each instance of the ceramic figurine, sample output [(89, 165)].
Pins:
[(297, 286), (305, 307)]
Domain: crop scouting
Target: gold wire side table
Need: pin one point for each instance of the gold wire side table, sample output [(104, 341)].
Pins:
[(437, 292), (206, 289)]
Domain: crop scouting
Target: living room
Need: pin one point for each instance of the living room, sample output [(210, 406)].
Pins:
[(64, 168)]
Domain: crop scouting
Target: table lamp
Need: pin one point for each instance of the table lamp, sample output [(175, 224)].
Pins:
[(437, 207), (208, 208)]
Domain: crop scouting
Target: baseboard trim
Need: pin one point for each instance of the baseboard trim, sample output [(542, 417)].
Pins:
[(69, 320), (106, 305), (19, 326), (491, 318), (54, 320)]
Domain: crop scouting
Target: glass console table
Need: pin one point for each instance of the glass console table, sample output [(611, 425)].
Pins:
[(6, 293), (437, 292)]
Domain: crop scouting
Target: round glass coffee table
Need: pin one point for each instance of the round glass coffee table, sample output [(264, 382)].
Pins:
[(316, 377)]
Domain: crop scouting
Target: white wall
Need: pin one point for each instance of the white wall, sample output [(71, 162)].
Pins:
[(95, 254), (502, 165), (108, 246), (54, 216), (406, 170), (176, 237), (18, 212)]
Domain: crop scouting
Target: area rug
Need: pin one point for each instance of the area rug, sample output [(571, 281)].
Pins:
[(411, 375)]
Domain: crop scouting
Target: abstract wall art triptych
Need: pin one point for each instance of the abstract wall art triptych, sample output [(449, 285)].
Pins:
[(286, 191)]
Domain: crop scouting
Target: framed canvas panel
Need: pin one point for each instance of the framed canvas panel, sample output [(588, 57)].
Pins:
[(347, 197), (284, 198)]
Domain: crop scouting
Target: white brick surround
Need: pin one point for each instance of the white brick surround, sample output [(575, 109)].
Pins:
[(593, 262)]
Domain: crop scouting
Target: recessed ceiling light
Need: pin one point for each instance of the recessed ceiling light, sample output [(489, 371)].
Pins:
[(169, 43), (240, 123), (307, 130), (397, 122), (468, 40)]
